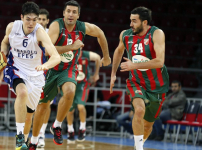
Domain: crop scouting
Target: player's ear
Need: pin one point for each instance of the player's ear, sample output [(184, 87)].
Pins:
[(47, 21), (21, 16), (145, 22)]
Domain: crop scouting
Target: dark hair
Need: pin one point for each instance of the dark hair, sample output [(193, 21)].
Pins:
[(73, 3), (144, 13), (30, 7), (176, 81), (44, 12)]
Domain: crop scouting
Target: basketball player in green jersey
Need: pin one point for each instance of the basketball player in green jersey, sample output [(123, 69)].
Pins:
[(81, 96), (148, 78), (67, 34)]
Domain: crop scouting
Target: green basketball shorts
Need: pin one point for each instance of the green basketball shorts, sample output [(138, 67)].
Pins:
[(153, 101)]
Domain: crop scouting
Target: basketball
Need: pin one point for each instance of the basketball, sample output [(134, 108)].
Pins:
[(3, 61)]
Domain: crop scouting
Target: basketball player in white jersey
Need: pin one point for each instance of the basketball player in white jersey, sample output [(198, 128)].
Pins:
[(24, 72), (43, 20)]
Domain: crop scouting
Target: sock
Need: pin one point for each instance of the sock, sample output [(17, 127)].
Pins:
[(82, 126), (70, 128), (26, 136), (43, 129), (57, 124), (34, 139), (20, 128), (138, 142)]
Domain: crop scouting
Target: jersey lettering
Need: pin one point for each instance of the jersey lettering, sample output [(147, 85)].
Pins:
[(138, 47), (69, 41)]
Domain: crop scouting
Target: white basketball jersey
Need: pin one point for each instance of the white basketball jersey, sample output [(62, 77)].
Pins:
[(25, 50)]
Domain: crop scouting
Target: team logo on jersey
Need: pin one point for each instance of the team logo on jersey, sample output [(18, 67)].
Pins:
[(139, 92), (140, 59), (146, 41), (17, 34), (67, 57), (80, 76)]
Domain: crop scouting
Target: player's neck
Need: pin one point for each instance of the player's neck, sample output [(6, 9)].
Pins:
[(69, 27), (144, 31), (25, 31)]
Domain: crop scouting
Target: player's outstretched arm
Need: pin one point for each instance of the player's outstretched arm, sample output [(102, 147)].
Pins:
[(54, 59), (96, 58), (5, 41), (53, 32), (116, 61), (95, 31)]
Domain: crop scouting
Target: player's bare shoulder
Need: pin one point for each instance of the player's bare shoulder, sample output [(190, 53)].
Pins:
[(40, 33), (54, 27), (158, 32), (158, 35), (9, 28), (91, 28), (121, 34)]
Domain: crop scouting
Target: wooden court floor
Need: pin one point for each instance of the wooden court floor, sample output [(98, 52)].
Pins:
[(8, 143)]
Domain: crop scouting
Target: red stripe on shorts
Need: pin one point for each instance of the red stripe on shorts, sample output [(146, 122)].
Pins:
[(130, 88), (163, 99), (84, 91)]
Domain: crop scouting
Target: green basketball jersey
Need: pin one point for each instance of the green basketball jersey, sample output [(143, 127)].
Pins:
[(141, 49), (69, 59), (83, 67)]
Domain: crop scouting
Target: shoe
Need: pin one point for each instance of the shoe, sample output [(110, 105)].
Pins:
[(152, 136), (20, 142), (41, 142), (70, 139), (57, 132), (159, 138), (32, 146), (81, 136)]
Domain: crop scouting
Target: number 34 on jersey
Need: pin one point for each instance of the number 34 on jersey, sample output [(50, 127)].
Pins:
[(138, 48)]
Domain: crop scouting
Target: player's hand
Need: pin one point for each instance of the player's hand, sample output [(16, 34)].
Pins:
[(95, 78), (41, 67), (105, 61), (113, 79), (127, 66), (77, 44)]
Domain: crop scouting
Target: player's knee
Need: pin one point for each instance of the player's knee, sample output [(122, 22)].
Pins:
[(81, 108), (139, 112), (22, 93), (71, 112), (42, 108), (69, 94)]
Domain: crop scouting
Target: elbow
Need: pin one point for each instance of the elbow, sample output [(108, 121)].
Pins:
[(160, 63), (101, 34), (58, 59)]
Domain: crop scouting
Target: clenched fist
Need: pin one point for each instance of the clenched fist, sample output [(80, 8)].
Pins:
[(105, 61)]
